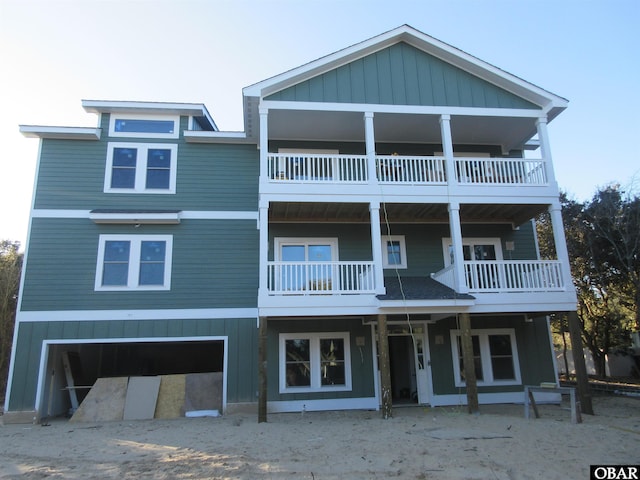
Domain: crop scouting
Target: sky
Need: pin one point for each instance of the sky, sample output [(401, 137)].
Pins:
[(54, 54)]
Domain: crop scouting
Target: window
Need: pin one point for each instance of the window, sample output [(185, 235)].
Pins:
[(141, 262), (495, 357), (474, 249), (314, 362), (141, 168), (394, 251), (121, 125), (305, 264)]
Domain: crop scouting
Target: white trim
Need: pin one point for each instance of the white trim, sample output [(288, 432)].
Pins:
[(134, 262), (66, 133), (141, 167), (306, 242), (362, 403), (385, 253), (315, 362), (135, 218), (485, 357), (125, 116), (185, 214), (44, 354), (102, 315), (202, 136)]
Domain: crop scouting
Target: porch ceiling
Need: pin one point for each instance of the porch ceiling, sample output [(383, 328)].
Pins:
[(401, 212), (508, 132)]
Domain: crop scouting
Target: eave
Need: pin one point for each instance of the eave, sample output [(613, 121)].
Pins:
[(198, 136), (61, 133)]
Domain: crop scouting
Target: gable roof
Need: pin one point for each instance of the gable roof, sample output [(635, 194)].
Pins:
[(549, 103)]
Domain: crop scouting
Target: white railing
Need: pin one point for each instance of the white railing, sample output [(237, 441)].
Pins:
[(411, 170), (501, 171), (317, 168), (320, 278), (513, 276), (446, 276)]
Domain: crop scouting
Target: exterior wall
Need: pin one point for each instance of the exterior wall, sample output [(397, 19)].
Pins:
[(215, 265), (361, 356), (242, 349), (534, 353), (401, 75)]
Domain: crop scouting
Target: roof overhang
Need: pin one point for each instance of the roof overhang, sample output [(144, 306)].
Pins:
[(60, 133), (189, 109)]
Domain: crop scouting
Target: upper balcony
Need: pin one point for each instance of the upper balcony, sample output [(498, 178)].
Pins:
[(285, 171)]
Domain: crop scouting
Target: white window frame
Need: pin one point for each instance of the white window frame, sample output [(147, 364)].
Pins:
[(470, 242), (134, 262), (385, 252), (141, 168), (314, 362), (114, 117), (304, 241), (485, 357)]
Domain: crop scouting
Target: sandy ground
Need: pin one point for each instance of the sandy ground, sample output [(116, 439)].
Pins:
[(417, 443)]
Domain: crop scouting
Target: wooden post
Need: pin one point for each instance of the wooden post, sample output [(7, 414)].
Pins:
[(262, 370), (385, 367), (582, 379), (469, 364)]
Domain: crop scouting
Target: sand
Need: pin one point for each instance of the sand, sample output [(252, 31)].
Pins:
[(417, 443)]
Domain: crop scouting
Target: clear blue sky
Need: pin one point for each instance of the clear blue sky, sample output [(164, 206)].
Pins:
[(54, 53)]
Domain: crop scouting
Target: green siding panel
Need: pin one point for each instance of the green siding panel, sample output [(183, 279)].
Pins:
[(242, 347), (209, 177), (402, 75), (215, 265)]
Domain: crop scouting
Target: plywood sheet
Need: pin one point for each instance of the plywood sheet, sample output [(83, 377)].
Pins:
[(171, 396), (203, 391), (142, 395), (104, 402)]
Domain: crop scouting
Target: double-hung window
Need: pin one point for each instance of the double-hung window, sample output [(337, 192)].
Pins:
[(394, 251), (495, 357), (314, 362), (128, 262), (141, 168)]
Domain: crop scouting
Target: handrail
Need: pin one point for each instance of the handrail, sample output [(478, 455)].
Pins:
[(320, 278)]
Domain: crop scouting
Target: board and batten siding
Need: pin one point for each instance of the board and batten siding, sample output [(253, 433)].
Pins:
[(210, 177), (241, 355), (214, 265), (401, 75)]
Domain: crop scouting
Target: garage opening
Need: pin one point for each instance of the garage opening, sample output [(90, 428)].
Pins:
[(86, 362)]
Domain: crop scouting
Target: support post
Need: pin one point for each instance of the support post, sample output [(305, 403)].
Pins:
[(385, 367), (262, 370), (469, 366), (584, 394), (370, 146), (376, 247)]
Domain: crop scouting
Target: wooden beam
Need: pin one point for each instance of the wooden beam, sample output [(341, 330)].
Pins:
[(262, 370), (469, 364), (385, 367), (577, 350)]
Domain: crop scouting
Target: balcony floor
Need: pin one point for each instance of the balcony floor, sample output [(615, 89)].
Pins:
[(419, 288)]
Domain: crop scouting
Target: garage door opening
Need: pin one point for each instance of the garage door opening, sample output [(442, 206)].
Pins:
[(86, 362)]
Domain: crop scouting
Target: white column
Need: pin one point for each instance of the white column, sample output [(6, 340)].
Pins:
[(456, 241), (370, 145), (447, 149), (264, 144), (263, 226), (545, 149), (376, 246), (560, 241)]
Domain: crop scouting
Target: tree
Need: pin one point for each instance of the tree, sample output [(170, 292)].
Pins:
[(10, 268)]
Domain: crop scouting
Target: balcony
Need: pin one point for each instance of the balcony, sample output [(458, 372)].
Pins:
[(326, 169), (507, 276), (320, 278)]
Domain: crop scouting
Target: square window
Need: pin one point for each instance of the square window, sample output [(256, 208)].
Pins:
[(141, 168), (314, 362), (134, 262)]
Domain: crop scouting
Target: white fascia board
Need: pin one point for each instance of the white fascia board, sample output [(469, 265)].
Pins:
[(109, 106), (199, 136), (63, 133), (168, 314), (135, 218), (424, 42)]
